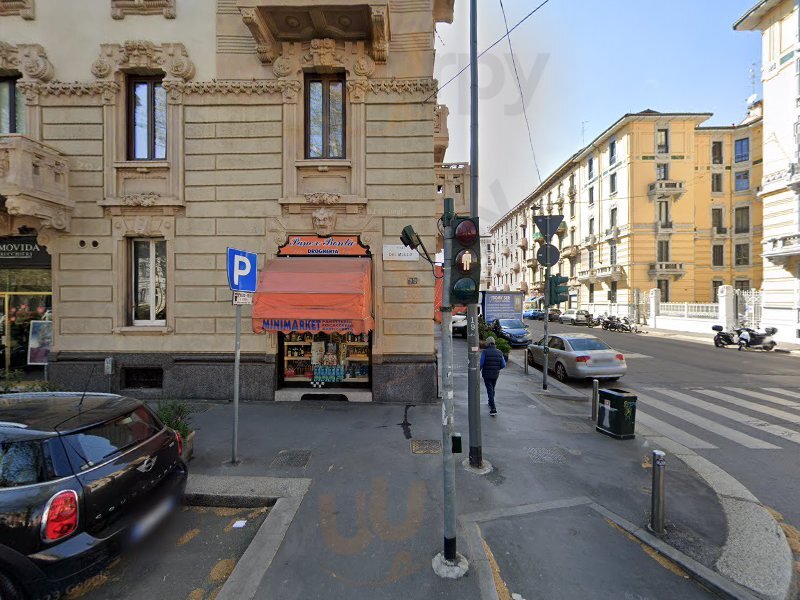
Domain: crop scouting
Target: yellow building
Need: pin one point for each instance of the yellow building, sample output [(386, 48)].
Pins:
[(655, 201), (778, 21)]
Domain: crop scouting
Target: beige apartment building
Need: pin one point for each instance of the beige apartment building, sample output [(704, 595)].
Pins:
[(140, 140), (779, 24), (655, 201)]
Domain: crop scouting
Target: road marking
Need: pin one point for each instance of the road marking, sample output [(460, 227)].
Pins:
[(629, 355), (789, 393), (767, 410), (709, 425), (761, 396), (678, 435), (783, 432)]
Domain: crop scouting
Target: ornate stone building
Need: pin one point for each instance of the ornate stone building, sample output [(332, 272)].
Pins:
[(178, 128)]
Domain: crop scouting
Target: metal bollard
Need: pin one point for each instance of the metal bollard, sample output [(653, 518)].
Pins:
[(657, 499), (595, 398)]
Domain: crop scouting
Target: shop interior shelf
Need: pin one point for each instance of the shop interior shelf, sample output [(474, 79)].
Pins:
[(363, 358), (296, 343), (356, 343), (297, 358), (357, 380), (297, 379)]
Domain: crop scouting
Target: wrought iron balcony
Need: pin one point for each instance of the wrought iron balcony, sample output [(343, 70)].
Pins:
[(34, 178), (666, 188), (666, 269)]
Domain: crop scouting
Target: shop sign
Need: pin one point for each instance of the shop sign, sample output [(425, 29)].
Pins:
[(399, 252), (502, 305), (314, 245), (242, 298), (312, 325), (23, 252)]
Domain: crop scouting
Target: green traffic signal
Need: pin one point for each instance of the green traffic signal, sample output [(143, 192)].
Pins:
[(558, 292)]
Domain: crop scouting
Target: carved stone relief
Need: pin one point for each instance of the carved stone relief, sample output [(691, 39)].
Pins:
[(323, 198), (143, 226), (120, 8), (23, 8), (172, 59), (323, 221), (28, 59)]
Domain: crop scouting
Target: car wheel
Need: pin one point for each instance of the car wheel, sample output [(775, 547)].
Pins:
[(9, 590), (561, 373)]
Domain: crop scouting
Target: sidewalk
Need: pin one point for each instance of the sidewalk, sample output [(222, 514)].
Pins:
[(548, 522), (700, 338)]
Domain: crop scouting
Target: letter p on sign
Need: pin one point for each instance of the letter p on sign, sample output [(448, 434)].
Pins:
[(242, 270)]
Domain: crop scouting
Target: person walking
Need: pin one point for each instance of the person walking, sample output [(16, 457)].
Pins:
[(492, 362)]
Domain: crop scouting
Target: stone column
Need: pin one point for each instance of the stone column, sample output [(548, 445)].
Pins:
[(728, 316), (655, 305)]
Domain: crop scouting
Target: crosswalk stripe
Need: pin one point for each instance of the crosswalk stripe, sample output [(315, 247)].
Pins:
[(760, 396), (789, 393), (754, 406), (783, 432), (709, 425), (678, 435)]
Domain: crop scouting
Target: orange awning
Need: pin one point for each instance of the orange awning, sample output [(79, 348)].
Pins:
[(331, 295)]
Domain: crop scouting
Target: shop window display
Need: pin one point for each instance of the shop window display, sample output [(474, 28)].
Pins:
[(321, 358)]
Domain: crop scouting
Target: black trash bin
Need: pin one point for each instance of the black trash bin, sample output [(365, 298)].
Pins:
[(616, 413)]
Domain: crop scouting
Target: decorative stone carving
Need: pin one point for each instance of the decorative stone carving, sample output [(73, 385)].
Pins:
[(323, 221), (107, 89), (282, 67), (29, 59), (364, 66), (23, 8), (144, 199), (120, 8), (266, 47), (380, 33), (403, 86), (248, 88), (323, 198), (357, 91), (323, 55), (172, 59), (144, 226)]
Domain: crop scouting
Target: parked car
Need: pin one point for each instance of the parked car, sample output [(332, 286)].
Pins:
[(553, 314), (574, 316), (82, 477), (580, 356), (459, 325), (513, 330), (533, 313)]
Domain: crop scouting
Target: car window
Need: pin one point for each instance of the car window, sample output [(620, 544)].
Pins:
[(583, 344), (102, 442), (556, 343), (540, 342), (512, 323), (23, 462)]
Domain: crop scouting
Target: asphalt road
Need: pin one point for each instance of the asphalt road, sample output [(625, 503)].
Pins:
[(740, 410)]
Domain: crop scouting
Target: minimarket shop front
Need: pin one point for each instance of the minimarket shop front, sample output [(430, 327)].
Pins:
[(316, 296)]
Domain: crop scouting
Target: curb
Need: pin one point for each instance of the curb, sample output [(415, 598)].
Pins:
[(703, 341)]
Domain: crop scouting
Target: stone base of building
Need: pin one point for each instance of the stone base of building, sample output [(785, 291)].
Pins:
[(785, 319), (188, 376), (405, 379)]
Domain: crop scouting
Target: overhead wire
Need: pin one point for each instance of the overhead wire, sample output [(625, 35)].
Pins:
[(521, 93)]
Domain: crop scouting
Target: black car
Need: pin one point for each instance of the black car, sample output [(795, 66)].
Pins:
[(82, 477)]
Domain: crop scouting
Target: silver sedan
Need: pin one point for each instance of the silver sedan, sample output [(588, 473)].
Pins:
[(580, 356)]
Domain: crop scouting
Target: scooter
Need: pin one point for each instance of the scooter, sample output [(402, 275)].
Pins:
[(592, 321), (626, 326), (724, 338), (749, 338), (610, 323)]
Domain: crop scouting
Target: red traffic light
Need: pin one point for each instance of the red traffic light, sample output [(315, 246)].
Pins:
[(466, 232)]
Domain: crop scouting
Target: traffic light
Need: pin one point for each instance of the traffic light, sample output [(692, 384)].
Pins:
[(557, 292), (466, 262)]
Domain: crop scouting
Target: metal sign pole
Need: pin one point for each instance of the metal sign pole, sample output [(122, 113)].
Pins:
[(546, 349), (447, 393), (237, 355)]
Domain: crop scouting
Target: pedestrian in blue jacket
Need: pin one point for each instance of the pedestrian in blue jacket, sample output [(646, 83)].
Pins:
[(492, 362)]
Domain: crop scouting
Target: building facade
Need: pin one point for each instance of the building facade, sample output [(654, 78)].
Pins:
[(779, 23), (655, 201), (177, 128)]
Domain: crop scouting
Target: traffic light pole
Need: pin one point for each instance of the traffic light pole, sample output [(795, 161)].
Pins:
[(546, 349), (473, 336)]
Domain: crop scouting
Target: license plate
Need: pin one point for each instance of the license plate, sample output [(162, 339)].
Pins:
[(147, 523), (601, 361)]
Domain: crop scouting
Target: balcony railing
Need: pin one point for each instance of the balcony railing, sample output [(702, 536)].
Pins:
[(612, 232), (662, 149), (666, 188), (34, 178), (719, 231), (610, 272), (665, 269), (590, 240), (779, 249), (793, 177), (587, 275)]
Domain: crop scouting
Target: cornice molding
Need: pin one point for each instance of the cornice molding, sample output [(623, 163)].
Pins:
[(23, 8), (172, 59), (120, 8), (33, 90)]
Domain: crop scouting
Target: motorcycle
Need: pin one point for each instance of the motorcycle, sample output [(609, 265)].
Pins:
[(724, 338), (610, 323), (592, 321), (626, 326), (749, 338)]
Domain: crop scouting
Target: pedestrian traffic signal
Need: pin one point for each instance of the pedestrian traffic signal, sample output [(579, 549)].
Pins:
[(465, 262), (558, 292)]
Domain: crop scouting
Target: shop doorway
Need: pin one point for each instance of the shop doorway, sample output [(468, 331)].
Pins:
[(318, 360)]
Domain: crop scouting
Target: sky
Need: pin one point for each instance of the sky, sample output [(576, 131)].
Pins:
[(582, 65)]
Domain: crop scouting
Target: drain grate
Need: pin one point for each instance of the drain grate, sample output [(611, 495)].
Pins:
[(291, 458), (426, 447), (551, 456)]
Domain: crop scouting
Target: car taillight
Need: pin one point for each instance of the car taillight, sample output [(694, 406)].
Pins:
[(620, 357), (60, 516), (581, 359), (180, 443)]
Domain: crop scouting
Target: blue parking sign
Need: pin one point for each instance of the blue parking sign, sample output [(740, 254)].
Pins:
[(242, 270)]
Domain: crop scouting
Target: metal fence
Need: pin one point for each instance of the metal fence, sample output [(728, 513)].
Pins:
[(748, 308)]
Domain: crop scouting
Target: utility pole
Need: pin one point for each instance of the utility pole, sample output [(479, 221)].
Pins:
[(473, 336), (448, 563)]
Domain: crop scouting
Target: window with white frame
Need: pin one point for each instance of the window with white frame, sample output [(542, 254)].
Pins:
[(591, 226), (612, 217), (612, 183), (663, 213), (612, 254), (591, 195), (662, 171), (149, 281), (591, 259), (663, 251), (662, 141), (612, 152)]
